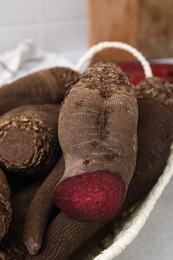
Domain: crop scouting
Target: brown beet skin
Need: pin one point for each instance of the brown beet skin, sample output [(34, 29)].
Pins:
[(155, 136), (5, 205), (28, 139), (12, 244), (155, 128), (40, 209), (98, 135), (63, 236), (41, 87), (154, 140)]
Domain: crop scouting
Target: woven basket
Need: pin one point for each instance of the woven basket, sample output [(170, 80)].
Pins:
[(131, 222)]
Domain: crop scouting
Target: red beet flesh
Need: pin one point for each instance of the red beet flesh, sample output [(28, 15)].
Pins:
[(91, 196)]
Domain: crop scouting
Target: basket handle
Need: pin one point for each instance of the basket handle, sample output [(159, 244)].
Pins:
[(118, 45)]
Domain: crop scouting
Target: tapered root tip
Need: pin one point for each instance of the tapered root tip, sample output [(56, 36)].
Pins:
[(17, 147), (32, 246), (91, 196)]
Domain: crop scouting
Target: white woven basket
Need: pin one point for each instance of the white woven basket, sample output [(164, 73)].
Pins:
[(125, 234)]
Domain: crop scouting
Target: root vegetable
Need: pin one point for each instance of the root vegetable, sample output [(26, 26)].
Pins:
[(155, 135), (28, 140), (5, 205), (155, 128), (40, 209), (12, 245), (98, 135), (63, 236), (94, 241), (45, 86)]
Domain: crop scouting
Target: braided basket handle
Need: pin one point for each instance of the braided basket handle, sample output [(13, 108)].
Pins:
[(118, 45)]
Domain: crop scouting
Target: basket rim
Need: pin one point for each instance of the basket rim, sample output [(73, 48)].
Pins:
[(138, 218)]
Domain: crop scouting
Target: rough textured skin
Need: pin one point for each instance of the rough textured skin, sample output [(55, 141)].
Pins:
[(28, 139), (98, 131), (40, 208), (63, 236), (94, 240), (45, 86), (5, 205), (155, 135), (12, 245), (158, 89), (155, 128)]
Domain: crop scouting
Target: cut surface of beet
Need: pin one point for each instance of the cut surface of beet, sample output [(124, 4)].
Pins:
[(91, 196), (17, 146)]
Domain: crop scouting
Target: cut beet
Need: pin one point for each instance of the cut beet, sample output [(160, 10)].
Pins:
[(17, 146), (92, 196)]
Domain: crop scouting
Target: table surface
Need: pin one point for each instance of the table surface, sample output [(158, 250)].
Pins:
[(155, 240)]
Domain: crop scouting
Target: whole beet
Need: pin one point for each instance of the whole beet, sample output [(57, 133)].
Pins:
[(155, 101), (41, 87), (28, 140), (98, 135)]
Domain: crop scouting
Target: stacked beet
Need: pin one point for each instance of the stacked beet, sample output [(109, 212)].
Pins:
[(92, 156)]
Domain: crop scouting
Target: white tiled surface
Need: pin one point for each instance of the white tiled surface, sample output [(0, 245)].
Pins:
[(55, 10), (17, 12), (57, 25), (67, 35)]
